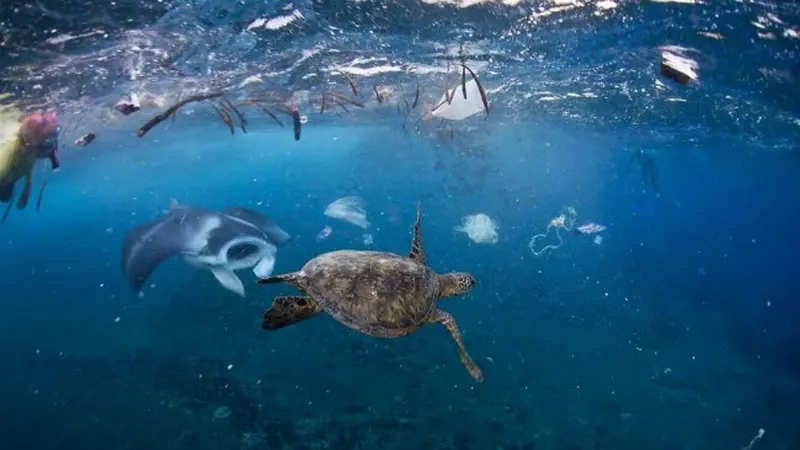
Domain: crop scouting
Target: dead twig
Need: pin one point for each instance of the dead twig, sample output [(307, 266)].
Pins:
[(174, 108), (334, 97), (484, 98), (242, 121), (352, 83), (226, 118)]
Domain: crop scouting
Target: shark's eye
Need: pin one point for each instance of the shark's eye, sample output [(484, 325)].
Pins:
[(240, 251)]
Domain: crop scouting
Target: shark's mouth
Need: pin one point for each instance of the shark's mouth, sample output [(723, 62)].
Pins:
[(245, 252), (241, 253)]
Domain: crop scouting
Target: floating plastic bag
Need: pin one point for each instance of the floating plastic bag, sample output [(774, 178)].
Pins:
[(350, 209), (460, 108), (480, 228)]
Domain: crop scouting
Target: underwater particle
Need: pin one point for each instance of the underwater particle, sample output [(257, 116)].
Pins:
[(368, 239), (598, 240), (221, 413), (117, 319), (230, 366), (349, 209), (480, 228), (324, 233), (711, 35), (253, 439), (127, 107), (85, 140), (383, 93)]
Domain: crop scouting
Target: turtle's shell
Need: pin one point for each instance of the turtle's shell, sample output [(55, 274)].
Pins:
[(376, 293)]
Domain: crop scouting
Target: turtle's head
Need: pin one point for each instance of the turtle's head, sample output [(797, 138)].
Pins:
[(458, 283)]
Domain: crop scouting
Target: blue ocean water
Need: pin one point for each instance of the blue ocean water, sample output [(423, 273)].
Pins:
[(677, 331)]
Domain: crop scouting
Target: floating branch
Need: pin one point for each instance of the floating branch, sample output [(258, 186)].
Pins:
[(257, 103), (173, 109), (464, 79), (271, 114), (290, 111), (41, 193), (333, 96), (231, 107), (226, 118), (484, 98), (341, 105), (446, 125), (352, 83), (267, 100), (296, 122), (408, 107), (447, 96), (352, 101), (177, 99), (378, 95)]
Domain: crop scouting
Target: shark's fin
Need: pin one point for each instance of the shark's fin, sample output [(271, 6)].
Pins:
[(228, 279), (194, 262), (265, 267), (262, 222)]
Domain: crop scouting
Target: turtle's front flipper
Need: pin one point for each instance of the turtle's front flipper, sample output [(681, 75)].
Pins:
[(286, 311), (417, 249), (450, 323)]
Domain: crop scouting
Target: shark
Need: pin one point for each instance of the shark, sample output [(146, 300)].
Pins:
[(221, 242)]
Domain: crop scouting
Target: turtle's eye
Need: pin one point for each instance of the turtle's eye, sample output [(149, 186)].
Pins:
[(467, 282)]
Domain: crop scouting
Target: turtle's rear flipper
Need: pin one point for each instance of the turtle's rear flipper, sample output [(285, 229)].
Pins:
[(447, 320), (286, 311), (272, 280), (290, 278), (285, 278)]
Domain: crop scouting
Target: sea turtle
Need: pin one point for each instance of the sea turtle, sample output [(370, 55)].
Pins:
[(377, 293)]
